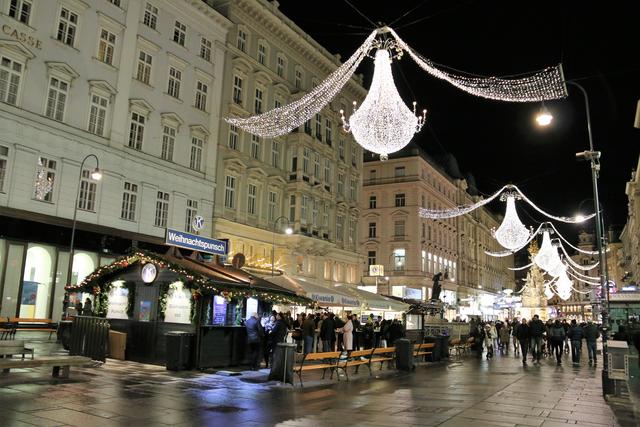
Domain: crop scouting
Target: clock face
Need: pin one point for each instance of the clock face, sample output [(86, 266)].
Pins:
[(149, 273)]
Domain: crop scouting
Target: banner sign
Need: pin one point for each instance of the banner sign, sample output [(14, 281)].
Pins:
[(195, 242)]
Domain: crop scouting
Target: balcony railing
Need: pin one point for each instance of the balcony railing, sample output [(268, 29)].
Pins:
[(390, 180)]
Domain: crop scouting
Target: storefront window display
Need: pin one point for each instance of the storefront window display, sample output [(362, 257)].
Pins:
[(37, 281), (12, 278)]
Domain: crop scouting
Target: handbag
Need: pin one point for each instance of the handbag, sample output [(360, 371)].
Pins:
[(296, 334)]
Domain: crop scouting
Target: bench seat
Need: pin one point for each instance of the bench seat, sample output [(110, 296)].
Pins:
[(56, 362)]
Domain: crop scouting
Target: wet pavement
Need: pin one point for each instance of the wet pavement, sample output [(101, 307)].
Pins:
[(460, 392)]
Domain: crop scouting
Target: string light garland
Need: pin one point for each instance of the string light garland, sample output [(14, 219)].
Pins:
[(524, 267), (543, 85), (511, 234), (572, 246), (575, 264), (383, 124)]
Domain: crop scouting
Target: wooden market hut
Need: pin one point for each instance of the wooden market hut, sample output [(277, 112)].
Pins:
[(147, 295)]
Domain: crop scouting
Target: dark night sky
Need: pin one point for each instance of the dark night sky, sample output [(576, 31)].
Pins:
[(498, 142)]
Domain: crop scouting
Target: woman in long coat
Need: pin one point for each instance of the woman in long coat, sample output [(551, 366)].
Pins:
[(347, 337)]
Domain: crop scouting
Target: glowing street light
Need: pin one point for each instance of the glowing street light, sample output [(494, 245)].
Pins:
[(544, 116)]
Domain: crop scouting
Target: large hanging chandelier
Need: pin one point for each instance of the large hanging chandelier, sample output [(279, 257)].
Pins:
[(511, 234), (547, 257), (564, 286), (383, 124)]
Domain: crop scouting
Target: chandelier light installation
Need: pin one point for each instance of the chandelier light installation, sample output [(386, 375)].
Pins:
[(511, 234), (392, 118), (547, 257), (44, 183), (383, 124)]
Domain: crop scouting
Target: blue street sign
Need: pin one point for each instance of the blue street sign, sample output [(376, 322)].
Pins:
[(195, 242)]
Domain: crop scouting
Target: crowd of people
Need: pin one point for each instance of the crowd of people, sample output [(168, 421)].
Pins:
[(537, 338), (319, 332)]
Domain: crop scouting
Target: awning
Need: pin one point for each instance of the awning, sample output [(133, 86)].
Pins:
[(323, 295), (374, 301)]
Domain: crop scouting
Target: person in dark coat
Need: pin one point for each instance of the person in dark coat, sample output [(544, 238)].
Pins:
[(536, 329), (523, 335), (556, 338), (308, 334), (327, 333), (338, 324), (575, 334), (356, 331), (87, 310), (395, 332), (254, 338), (591, 334)]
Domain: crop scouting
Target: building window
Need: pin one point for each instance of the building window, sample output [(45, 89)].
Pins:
[(168, 142), (46, 178), (423, 263), (20, 10), (150, 16), (136, 130), (372, 230), (143, 72), (398, 228), (319, 127), (280, 66), (233, 137), (339, 228), (314, 213), (371, 258), (201, 96), (179, 33), (129, 201), (175, 77), (57, 99), (306, 153), (341, 184), (87, 196), (255, 147), (399, 171), (273, 205), (327, 171), (262, 53), (107, 46), (292, 208), (325, 215), (10, 75), (298, 79), (373, 175), (67, 26), (275, 153), (400, 200), (303, 209), (423, 201), (398, 259), (190, 214), (307, 127), (162, 209), (354, 155), (98, 114), (4, 158), (242, 40), (257, 105), (195, 160), (327, 131), (205, 49), (115, 2), (277, 103), (237, 90), (341, 149), (251, 199), (424, 230), (316, 165), (373, 201), (352, 190), (230, 192)]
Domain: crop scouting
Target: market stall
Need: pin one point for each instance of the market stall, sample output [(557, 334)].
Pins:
[(146, 295)]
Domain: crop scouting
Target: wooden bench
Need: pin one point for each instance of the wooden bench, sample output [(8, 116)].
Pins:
[(57, 362), (315, 361), (422, 350), (382, 354), (354, 358), (31, 324), (7, 329), (8, 348)]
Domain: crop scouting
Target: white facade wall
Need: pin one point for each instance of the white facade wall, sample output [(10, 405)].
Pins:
[(28, 133)]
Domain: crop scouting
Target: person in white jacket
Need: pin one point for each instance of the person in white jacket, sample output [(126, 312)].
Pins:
[(347, 337)]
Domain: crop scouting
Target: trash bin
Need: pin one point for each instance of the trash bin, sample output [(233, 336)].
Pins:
[(444, 347), (404, 354), (435, 351), (282, 365), (179, 345)]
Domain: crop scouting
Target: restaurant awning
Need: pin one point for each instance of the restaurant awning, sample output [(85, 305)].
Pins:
[(323, 295)]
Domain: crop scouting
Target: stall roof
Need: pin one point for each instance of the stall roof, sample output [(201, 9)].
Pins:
[(375, 301), (323, 295)]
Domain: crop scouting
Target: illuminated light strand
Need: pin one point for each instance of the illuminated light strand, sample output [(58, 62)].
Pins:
[(568, 220), (282, 120), (383, 124), (573, 247), (512, 233), (593, 279), (459, 210), (572, 274), (520, 268), (575, 264), (543, 85)]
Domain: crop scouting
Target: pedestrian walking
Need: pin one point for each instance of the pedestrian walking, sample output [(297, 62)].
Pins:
[(524, 337), (347, 335), (254, 338), (327, 333), (556, 339), (536, 330), (514, 331), (591, 334), (505, 332), (308, 334), (575, 334)]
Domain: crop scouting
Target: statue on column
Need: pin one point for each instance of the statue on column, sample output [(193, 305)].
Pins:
[(437, 288)]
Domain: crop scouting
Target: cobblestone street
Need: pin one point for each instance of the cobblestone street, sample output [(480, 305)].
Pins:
[(458, 393)]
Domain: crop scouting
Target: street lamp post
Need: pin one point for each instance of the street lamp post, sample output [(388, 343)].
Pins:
[(594, 158), (97, 176), (287, 231)]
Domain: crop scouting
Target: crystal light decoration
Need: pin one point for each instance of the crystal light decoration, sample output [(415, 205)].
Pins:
[(511, 234), (547, 257), (383, 124), (547, 291), (43, 184), (563, 286)]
